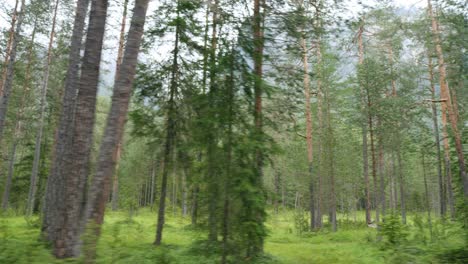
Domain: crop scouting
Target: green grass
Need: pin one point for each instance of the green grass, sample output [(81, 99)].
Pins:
[(126, 241)]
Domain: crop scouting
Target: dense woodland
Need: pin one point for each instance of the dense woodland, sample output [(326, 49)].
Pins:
[(223, 131)]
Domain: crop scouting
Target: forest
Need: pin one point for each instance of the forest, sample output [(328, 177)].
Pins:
[(233, 131)]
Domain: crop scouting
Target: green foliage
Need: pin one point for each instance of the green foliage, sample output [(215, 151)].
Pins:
[(393, 230)]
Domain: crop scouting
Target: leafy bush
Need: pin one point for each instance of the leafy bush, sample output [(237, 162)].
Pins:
[(393, 230)]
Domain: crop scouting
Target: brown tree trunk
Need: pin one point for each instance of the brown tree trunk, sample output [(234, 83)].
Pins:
[(375, 199), (170, 136), (37, 149), (56, 194), (308, 114), (67, 243), (445, 94), (402, 187), (364, 130), (426, 192), (19, 115), (8, 83), (447, 162), (442, 200), (115, 182), (213, 185), (100, 186), (383, 204), (11, 35), (331, 165)]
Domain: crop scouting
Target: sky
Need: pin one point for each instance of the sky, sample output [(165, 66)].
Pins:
[(113, 28)]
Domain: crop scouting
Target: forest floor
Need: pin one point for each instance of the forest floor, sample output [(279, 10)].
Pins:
[(130, 241)]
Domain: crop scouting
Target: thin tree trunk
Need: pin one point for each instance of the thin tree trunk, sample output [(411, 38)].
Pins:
[(195, 204), (7, 188), (45, 83), (19, 116), (426, 191), (230, 92), (364, 130), (153, 178), (11, 35), (375, 199), (54, 205), (442, 201), (308, 114), (8, 83), (331, 164), (445, 94), (383, 204), (211, 149), (320, 97), (170, 135), (277, 191), (402, 188), (113, 134), (115, 182)]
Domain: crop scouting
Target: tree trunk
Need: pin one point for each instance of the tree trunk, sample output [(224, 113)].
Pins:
[(11, 35), (442, 201), (383, 204), (445, 94), (170, 135), (45, 83), (428, 206), (213, 185), (54, 206), (230, 103), (7, 188), (113, 134), (364, 129), (331, 164), (8, 83), (115, 182), (308, 114), (402, 187), (19, 114), (67, 244)]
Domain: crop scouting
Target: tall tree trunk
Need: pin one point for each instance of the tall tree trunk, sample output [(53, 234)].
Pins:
[(213, 186), (331, 145), (68, 242), (153, 182), (170, 135), (375, 199), (308, 114), (115, 182), (100, 186), (18, 120), (442, 200), (228, 173), (54, 207), (383, 204), (320, 97), (426, 192), (8, 83), (257, 213), (402, 186), (364, 129), (447, 162), (45, 83), (445, 94), (11, 35)]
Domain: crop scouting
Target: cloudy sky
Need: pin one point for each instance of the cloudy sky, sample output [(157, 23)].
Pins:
[(113, 27)]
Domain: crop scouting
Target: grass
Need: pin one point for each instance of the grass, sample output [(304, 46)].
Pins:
[(130, 241)]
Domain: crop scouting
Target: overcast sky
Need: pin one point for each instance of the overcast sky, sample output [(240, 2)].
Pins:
[(113, 27)]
